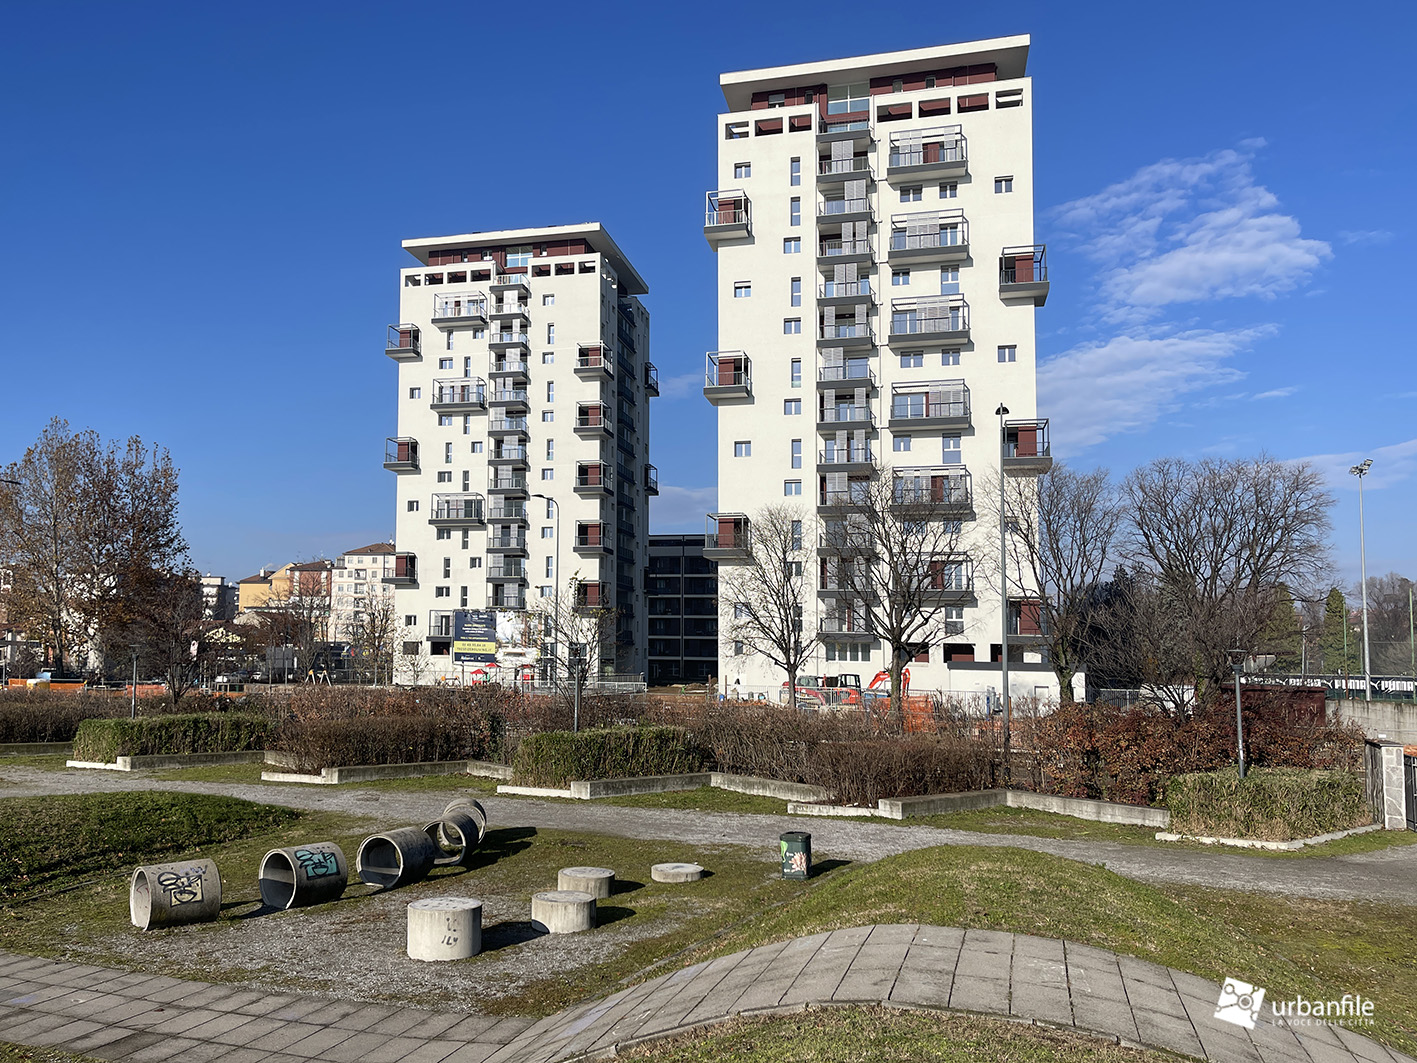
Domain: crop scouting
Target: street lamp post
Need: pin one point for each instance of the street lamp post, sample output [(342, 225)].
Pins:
[(555, 567), (1361, 470), (1237, 658), (1006, 702)]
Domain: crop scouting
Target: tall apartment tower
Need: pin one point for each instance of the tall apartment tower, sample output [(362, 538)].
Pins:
[(877, 279), (522, 451)]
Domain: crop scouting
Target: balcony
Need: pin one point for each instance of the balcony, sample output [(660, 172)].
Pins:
[(855, 127), (853, 373), (846, 539), (459, 310), (591, 595), (848, 628), (516, 283), (651, 480), (459, 395), (440, 623), (511, 455), (837, 417), (836, 210), (508, 340), (728, 375), (507, 426), (930, 404), (1027, 448), (727, 536), (949, 581), (938, 319), (929, 237), (594, 479), (592, 539), (835, 251), (728, 215), (504, 510), (506, 597), (934, 492), (847, 335), (1023, 273), (651, 379), (1025, 623), (836, 500), (506, 570), (592, 420), (832, 171), (509, 400), (594, 361), (849, 458), (405, 572), (506, 482), (404, 344), (512, 367), (846, 293), (463, 510), (401, 454), (507, 541), (509, 313), (927, 154)]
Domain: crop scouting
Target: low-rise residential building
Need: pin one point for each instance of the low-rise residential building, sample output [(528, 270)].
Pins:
[(359, 591)]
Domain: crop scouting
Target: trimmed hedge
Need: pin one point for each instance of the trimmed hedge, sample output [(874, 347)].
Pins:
[(554, 758), (337, 743), (1272, 804), (220, 732)]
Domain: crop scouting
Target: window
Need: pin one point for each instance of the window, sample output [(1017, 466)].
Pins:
[(792, 568), (911, 193), (548, 357), (551, 450), (912, 359), (795, 533), (1008, 354), (742, 170), (740, 611), (742, 289), (735, 131), (900, 444), (796, 169), (467, 367), (550, 509), (550, 391), (797, 453), (447, 453), (792, 407), (519, 256), (949, 451), (792, 326), (445, 477), (447, 567), (844, 99), (549, 299), (445, 363), (462, 597), (413, 505), (954, 620), (547, 416), (791, 487), (550, 332), (796, 293), (1003, 184), (415, 393), (466, 424), (474, 562), (546, 590), (900, 278), (548, 531), (442, 592), (548, 474), (949, 356), (794, 213), (477, 447), (949, 189), (949, 280), (550, 567), (444, 533), (792, 245), (738, 648), (743, 449), (445, 420), (797, 372), (410, 620)]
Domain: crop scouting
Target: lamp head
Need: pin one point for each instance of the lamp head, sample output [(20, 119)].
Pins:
[(1002, 411), (1361, 469)]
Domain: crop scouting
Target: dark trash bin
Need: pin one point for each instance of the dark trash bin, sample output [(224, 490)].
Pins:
[(796, 854)]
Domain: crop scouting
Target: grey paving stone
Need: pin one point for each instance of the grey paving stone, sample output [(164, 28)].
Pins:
[(214, 1028), (818, 980), (391, 1050), (1104, 1015), (243, 1055), (165, 1048), (299, 1008), (281, 1039), (1146, 997), (1041, 1003), (104, 1035), (1320, 1052), (432, 1052), (1035, 970), (332, 1012), (980, 994), (867, 984), (986, 965), (71, 1030), (761, 994), (433, 1025), (268, 1003), (253, 1028), (1039, 948), (1226, 1046), (35, 1023), (902, 933), (1361, 1046), (213, 996), (358, 1046), (476, 1052), (38, 996), (881, 954), (1168, 1032), (400, 1021), (924, 957), (989, 941), (182, 1021), (181, 991), (317, 1043), (365, 1017), (124, 1047), (922, 987), (1096, 982), (133, 1013), (466, 1029), (1134, 970)]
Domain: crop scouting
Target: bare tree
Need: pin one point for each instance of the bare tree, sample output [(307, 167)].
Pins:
[(299, 617), (899, 556), (372, 634), (1389, 624), (577, 633), (1065, 525), (768, 591), (1217, 537), (169, 629)]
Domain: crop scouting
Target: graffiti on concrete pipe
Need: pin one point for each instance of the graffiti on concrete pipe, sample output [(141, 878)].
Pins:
[(181, 887), (317, 863)]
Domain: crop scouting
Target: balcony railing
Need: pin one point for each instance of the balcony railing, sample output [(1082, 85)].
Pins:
[(462, 508), (594, 477), (469, 307), (942, 150), (859, 416), (593, 536), (507, 568), (728, 534), (933, 486), (507, 425), (926, 403), (849, 373), (405, 570), (507, 452), (508, 600), (506, 481), (857, 289), (509, 365), (651, 378), (404, 342), (651, 480), (459, 393), (440, 623), (509, 308), (846, 626), (848, 455), (595, 357), (510, 397), (728, 214), (401, 454), (505, 509), (854, 167), (950, 577), (945, 316), (859, 124), (592, 416), (860, 247), (727, 374), (592, 595), (507, 541), (1023, 273), (508, 338), (930, 235), (827, 208), (1027, 448), (849, 330), (511, 280)]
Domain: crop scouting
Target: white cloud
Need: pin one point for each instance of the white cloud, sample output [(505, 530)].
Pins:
[(1365, 236), (1128, 382), (1189, 230), (1392, 465), (1274, 393), (681, 509), (682, 386)]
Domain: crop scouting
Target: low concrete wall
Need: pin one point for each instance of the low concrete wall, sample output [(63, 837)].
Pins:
[(1392, 721), (933, 804), (373, 772), (783, 791), (589, 789), (806, 808), (1085, 808), (174, 760), (533, 791), (35, 749)]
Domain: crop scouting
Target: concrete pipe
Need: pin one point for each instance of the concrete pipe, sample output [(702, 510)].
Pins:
[(444, 928), (173, 894), (395, 858), (456, 836), (597, 881), (475, 809), (562, 911), (303, 875)]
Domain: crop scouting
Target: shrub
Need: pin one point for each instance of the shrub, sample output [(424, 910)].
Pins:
[(401, 739), (863, 771), (224, 732), (553, 758), (1273, 804)]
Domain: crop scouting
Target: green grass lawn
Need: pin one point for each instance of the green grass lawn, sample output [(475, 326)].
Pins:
[(10, 1053), (47, 761), (851, 1035)]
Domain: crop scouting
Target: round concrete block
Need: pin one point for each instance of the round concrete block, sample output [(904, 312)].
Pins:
[(597, 881), (444, 928), (676, 872), (562, 911), (172, 894)]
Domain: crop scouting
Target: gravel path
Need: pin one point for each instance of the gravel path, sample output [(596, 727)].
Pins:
[(1388, 875)]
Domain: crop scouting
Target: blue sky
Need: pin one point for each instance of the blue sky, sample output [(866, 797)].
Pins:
[(203, 207)]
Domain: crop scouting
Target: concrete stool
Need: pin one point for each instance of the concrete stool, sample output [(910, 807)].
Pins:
[(444, 928), (562, 911), (676, 872), (597, 881)]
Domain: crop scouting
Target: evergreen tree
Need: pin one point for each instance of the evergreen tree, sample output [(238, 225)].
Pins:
[(1282, 636), (1331, 644)]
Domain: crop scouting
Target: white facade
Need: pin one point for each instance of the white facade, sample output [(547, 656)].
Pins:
[(877, 281), (522, 371), (357, 588)]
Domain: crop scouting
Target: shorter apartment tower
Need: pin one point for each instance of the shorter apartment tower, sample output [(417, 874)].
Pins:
[(681, 592), (522, 452), (359, 590)]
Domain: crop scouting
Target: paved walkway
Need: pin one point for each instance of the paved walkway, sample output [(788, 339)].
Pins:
[(1386, 875), (121, 1016)]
